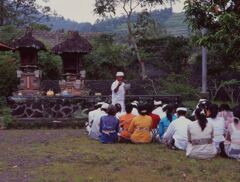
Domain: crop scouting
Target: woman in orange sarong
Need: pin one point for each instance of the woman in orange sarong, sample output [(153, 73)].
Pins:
[(141, 127), (125, 121)]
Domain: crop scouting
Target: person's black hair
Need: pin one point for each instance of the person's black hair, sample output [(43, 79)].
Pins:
[(103, 109), (224, 107), (201, 118), (134, 106), (150, 108), (142, 109), (164, 108), (118, 107), (170, 111), (129, 108), (204, 105), (175, 106), (181, 113), (236, 114), (97, 106), (213, 108), (158, 105), (111, 110)]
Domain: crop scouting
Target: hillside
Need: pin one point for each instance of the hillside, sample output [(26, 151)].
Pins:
[(175, 25), (172, 22)]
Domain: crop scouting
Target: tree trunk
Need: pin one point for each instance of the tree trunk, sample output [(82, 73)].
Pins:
[(204, 64), (134, 44), (1, 12)]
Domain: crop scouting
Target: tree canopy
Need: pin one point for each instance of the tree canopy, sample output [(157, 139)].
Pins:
[(221, 18), (22, 12), (109, 7)]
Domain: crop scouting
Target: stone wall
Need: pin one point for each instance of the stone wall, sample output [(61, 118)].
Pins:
[(69, 107), (48, 107)]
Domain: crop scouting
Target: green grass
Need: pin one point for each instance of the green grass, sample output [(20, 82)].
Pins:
[(77, 158)]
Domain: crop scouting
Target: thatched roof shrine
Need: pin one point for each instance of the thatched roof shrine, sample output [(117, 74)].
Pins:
[(28, 48), (73, 44), (4, 47), (72, 51), (28, 41)]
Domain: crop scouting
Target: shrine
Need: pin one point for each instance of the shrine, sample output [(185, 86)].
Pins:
[(72, 51), (28, 73)]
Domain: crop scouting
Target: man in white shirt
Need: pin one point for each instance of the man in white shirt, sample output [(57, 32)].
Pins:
[(158, 108), (118, 90), (94, 132), (91, 116), (135, 108), (176, 134)]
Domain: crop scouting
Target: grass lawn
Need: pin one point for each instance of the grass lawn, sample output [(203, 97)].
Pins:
[(68, 155)]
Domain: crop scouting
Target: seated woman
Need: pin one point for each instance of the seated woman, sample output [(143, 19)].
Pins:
[(200, 138), (140, 127), (232, 143), (125, 121), (218, 124), (109, 126), (155, 121), (165, 122), (227, 114)]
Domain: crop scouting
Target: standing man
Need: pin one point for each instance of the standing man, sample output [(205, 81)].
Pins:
[(118, 90)]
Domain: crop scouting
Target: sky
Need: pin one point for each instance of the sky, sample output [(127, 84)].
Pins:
[(82, 10)]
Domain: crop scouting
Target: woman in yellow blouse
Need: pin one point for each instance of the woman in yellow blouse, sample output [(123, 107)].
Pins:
[(140, 127)]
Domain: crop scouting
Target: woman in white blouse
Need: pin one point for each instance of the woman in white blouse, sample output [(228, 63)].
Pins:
[(200, 138), (231, 147), (218, 124)]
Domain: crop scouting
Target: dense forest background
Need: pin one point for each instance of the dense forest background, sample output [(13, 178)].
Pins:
[(170, 51)]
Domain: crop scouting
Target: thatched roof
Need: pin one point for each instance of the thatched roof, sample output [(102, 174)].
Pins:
[(28, 41), (73, 44), (4, 47)]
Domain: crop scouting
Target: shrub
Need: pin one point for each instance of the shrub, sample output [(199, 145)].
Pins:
[(174, 84), (8, 76), (5, 113), (8, 120)]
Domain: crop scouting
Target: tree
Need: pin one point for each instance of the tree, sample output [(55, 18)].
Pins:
[(105, 7), (107, 58), (51, 66), (161, 53), (22, 12), (9, 32), (147, 28), (222, 19)]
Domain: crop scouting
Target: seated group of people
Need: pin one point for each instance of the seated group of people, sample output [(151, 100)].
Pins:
[(208, 131)]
